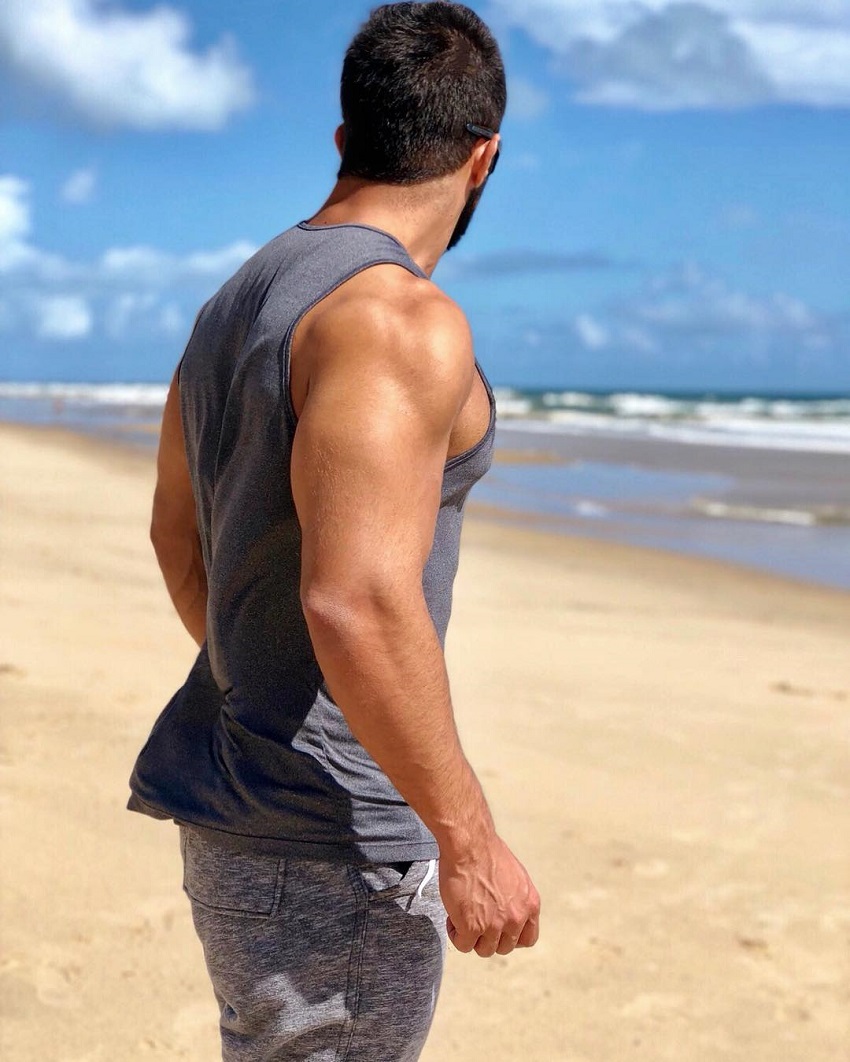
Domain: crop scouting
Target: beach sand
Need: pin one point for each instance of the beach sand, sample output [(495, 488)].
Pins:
[(664, 741)]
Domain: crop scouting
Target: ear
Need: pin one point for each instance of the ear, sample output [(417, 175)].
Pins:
[(482, 159), (339, 138)]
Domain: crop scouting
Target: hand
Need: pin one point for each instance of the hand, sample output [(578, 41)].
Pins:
[(491, 902)]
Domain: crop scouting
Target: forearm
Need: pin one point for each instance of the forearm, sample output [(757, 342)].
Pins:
[(182, 565), (384, 667)]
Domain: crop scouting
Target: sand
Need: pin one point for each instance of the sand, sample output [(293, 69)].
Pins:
[(664, 740)]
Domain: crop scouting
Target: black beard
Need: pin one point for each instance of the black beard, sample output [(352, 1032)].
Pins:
[(466, 216)]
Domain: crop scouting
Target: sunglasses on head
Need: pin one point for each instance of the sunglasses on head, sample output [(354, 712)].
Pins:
[(480, 130)]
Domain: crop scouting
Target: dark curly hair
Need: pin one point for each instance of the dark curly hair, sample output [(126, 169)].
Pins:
[(412, 78)]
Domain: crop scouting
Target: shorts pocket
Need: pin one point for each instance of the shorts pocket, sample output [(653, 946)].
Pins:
[(388, 881), (230, 882)]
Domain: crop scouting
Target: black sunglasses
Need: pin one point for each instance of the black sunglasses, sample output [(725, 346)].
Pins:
[(480, 130)]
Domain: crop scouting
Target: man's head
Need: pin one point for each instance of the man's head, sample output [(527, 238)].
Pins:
[(413, 78)]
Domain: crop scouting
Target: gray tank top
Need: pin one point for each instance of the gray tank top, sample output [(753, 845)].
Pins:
[(252, 748)]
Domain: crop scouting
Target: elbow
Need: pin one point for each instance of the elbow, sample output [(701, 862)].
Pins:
[(156, 536), (348, 612), (161, 535), (329, 609)]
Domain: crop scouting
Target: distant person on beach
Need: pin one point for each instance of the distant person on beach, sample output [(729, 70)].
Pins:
[(320, 437)]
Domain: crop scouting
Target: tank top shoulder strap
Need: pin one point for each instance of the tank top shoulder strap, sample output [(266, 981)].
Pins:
[(350, 233), (327, 256)]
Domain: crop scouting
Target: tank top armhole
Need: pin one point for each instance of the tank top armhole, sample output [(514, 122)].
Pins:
[(197, 321), (285, 356)]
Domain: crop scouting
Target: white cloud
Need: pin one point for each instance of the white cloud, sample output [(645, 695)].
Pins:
[(139, 263), (123, 68), (159, 269), (689, 309), (17, 255), (79, 187), (15, 222), (805, 64), (128, 291), (14, 210), (125, 310), (172, 320), (142, 312), (685, 325), (215, 263), (62, 317), (670, 54), (590, 332), (691, 300)]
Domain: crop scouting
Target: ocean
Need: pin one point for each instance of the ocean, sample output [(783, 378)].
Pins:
[(755, 479)]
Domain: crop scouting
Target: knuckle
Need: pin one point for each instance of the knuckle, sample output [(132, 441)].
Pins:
[(514, 927), (486, 947), (517, 917)]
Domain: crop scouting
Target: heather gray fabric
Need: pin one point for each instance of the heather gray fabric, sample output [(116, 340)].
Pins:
[(313, 960), (252, 747)]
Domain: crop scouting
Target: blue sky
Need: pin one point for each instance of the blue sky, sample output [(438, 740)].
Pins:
[(671, 210)]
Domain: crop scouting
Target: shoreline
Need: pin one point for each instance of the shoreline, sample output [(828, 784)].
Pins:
[(119, 447), (661, 739)]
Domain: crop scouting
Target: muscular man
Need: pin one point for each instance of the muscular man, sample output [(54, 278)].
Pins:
[(320, 437)]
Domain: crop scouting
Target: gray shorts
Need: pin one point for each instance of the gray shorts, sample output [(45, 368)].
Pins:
[(318, 961)]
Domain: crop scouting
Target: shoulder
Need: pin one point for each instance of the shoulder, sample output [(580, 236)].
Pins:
[(396, 321)]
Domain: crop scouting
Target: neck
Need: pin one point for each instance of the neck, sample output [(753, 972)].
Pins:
[(422, 217)]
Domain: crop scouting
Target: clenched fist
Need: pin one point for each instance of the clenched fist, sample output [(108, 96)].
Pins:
[(491, 902)]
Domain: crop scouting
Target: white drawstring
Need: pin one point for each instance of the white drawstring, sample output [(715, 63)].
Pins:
[(429, 873)]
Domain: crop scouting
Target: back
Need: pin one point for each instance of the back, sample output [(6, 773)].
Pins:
[(253, 746)]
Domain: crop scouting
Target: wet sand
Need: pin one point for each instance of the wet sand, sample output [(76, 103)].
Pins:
[(758, 476), (663, 739)]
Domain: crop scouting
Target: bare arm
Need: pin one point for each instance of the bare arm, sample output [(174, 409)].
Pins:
[(367, 464), (174, 528)]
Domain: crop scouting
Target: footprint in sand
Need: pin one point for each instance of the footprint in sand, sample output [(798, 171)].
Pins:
[(753, 944), (605, 949), (149, 1046), (56, 984), (792, 690)]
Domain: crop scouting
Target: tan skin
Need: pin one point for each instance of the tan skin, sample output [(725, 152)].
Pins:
[(384, 385)]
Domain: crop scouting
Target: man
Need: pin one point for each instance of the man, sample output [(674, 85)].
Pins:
[(323, 429)]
